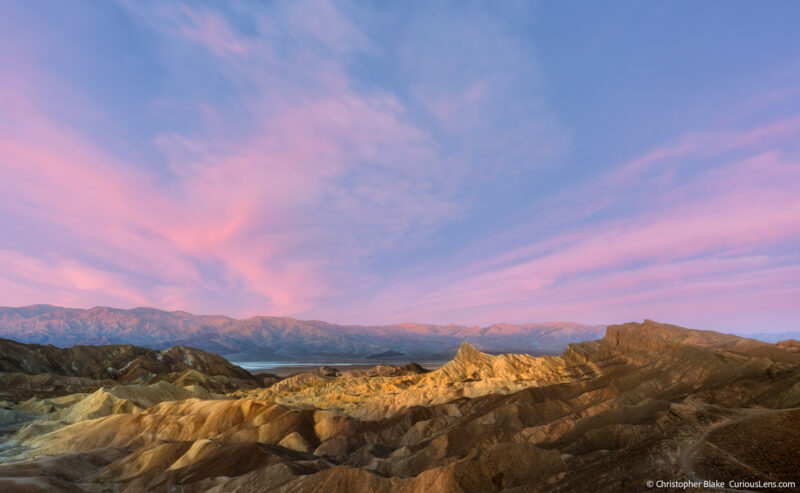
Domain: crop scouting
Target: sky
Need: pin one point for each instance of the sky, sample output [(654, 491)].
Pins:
[(381, 162)]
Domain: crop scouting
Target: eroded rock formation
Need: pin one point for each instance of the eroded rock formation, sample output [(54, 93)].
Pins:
[(648, 401)]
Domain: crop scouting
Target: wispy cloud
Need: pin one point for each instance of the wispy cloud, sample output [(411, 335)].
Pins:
[(330, 160), (212, 31), (324, 175), (731, 222)]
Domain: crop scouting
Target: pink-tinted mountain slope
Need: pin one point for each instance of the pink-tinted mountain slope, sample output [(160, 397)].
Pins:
[(261, 337)]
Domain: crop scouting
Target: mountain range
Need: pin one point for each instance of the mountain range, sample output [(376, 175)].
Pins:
[(260, 338)]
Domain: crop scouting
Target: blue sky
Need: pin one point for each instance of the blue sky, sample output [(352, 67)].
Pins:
[(468, 162)]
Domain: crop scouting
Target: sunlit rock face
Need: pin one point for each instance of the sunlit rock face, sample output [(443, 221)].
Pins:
[(646, 401)]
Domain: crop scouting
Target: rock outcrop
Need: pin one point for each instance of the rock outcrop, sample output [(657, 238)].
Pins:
[(28, 370), (790, 345)]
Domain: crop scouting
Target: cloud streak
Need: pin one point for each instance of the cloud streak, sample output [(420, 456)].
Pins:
[(726, 225), (314, 159)]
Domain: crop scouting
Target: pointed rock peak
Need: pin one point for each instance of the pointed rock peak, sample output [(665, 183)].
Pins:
[(467, 352)]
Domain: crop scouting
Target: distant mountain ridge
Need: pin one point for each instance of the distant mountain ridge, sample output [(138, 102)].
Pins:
[(276, 337)]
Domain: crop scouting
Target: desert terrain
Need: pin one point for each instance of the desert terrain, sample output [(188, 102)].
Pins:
[(646, 402)]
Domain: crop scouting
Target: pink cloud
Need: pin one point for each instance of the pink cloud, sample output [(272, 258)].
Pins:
[(212, 31), (282, 204), (696, 244), (703, 145), (64, 281), (252, 216)]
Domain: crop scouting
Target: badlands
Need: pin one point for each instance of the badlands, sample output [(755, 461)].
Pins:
[(647, 402)]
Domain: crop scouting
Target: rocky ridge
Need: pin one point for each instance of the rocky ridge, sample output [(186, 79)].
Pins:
[(28, 370)]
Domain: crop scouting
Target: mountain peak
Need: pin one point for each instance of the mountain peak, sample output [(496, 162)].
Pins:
[(469, 363), (467, 352)]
